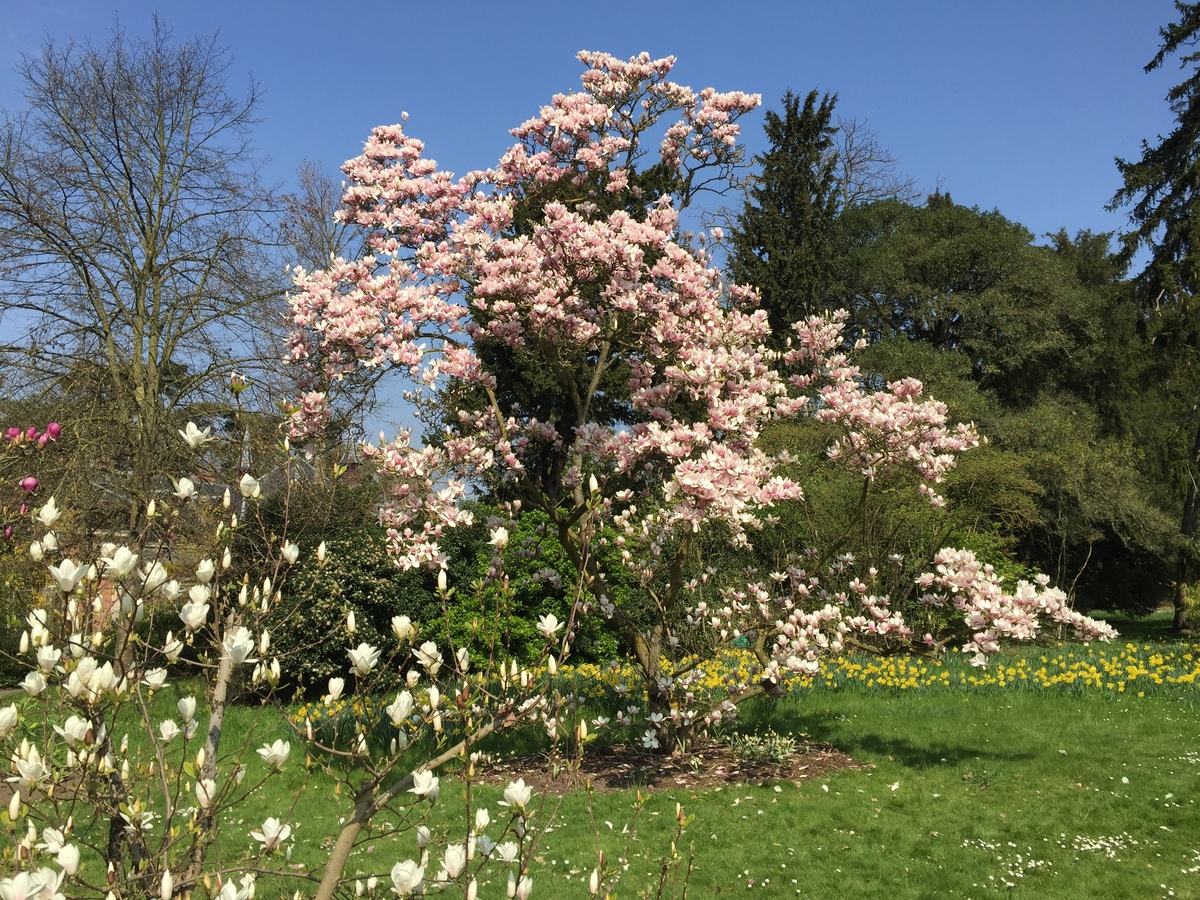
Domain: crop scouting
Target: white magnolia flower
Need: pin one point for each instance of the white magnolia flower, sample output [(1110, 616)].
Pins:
[(30, 771), (400, 708), (482, 819), (518, 794), (272, 834), (499, 538), (52, 840), (196, 437), (153, 575), (187, 708), (185, 489), (121, 562), (336, 686), (34, 684), (291, 553), (322, 550), (549, 625), (199, 593), (524, 887), (233, 890), (74, 730), (205, 570), (249, 487), (455, 859), (206, 791), (155, 678), (276, 754), (68, 575), (24, 885), (508, 851), (169, 730), (171, 590), (425, 784), (37, 552), (50, 541), (407, 877), (401, 626), (68, 859), (172, 646), (351, 623), (48, 657), (429, 657), (238, 644), (193, 615), (49, 513), (8, 718)]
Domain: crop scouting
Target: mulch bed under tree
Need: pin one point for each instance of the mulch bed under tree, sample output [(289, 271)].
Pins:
[(623, 766)]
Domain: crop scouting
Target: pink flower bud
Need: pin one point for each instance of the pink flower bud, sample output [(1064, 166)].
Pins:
[(54, 430), (43, 439), (8, 533), (29, 483), (13, 435), (31, 434)]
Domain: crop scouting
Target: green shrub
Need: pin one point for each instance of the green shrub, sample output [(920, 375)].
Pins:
[(311, 637), (542, 581)]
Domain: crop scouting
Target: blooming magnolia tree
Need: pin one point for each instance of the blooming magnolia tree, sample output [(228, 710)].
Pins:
[(105, 798), (560, 259)]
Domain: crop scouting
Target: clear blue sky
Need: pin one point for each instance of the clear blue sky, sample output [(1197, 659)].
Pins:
[(1018, 105)]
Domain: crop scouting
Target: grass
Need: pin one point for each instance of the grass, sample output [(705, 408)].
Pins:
[(1035, 788)]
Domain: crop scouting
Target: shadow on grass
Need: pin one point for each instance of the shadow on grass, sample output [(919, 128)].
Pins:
[(872, 745), (1154, 628)]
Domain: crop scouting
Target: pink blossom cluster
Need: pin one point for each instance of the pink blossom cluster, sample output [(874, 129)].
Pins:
[(991, 614), (883, 430), (15, 437)]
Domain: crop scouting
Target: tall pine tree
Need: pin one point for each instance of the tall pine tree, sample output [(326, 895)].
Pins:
[(1162, 190), (783, 242)]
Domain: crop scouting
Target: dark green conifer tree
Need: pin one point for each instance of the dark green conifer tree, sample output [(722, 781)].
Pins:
[(783, 241)]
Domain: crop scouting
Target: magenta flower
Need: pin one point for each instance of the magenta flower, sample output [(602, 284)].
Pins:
[(29, 483), (54, 430)]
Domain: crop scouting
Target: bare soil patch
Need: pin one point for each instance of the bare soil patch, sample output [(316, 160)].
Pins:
[(623, 767)]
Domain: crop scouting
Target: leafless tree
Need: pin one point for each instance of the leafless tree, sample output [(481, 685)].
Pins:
[(136, 265), (866, 170)]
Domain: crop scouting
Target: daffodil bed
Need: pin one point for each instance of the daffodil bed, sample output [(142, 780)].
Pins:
[(1138, 669)]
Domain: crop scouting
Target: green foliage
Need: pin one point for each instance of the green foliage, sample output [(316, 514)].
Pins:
[(770, 747), (19, 583), (359, 575), (541, 581)]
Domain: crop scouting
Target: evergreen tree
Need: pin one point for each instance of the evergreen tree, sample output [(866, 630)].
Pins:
[(783, 242), (1162, 190)]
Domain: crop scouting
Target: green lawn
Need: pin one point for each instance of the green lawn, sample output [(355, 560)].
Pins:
[(1063, 791)]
